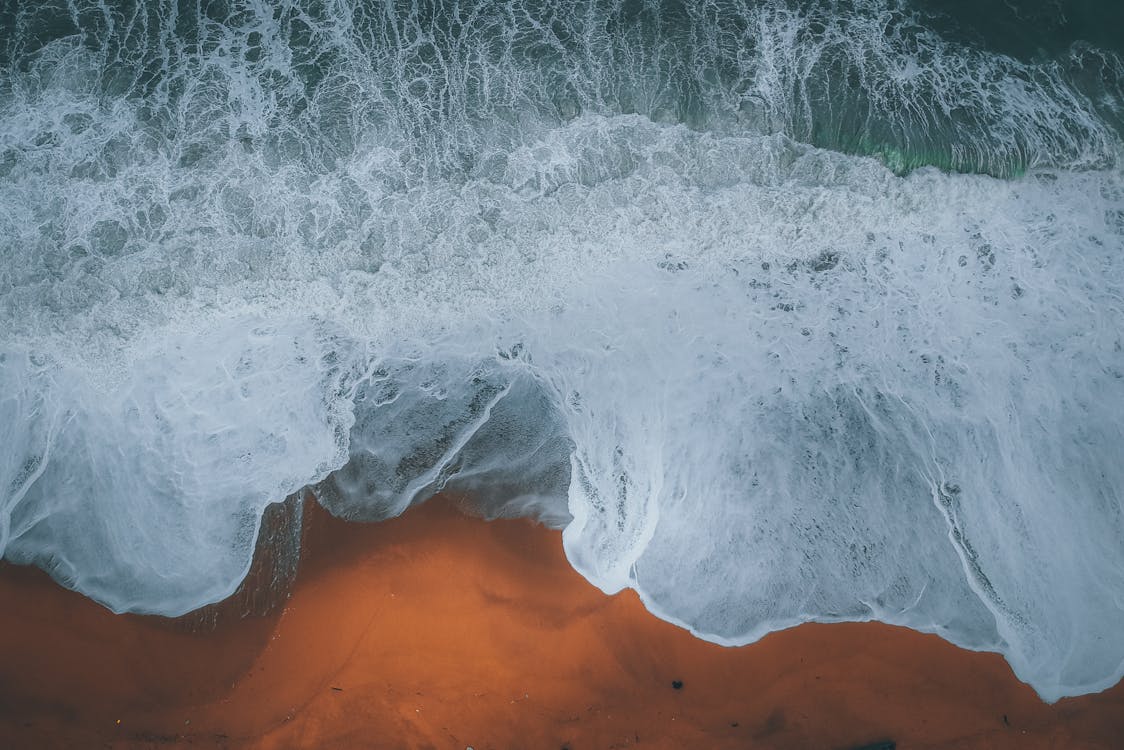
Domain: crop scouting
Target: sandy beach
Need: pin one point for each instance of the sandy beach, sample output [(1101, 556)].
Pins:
[(786, 310), (438, 630)]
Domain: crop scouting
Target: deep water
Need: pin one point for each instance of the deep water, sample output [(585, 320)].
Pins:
[(784, 311)]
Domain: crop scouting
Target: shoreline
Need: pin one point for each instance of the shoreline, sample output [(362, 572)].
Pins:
[(437, 629)]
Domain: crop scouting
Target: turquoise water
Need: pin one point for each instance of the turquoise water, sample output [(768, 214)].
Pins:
[(783, 311)]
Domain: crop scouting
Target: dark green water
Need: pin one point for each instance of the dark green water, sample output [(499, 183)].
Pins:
[(987, 86)]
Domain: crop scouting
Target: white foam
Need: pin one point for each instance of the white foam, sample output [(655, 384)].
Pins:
[(148, 496)]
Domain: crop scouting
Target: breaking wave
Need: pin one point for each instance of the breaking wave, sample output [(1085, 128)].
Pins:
[(784, 311)]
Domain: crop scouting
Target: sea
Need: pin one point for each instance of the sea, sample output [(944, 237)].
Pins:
[(781, 310)]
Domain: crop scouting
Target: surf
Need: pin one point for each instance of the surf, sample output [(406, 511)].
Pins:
[(726, 294)]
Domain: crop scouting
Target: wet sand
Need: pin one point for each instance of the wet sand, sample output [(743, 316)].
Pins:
[(439, 630)]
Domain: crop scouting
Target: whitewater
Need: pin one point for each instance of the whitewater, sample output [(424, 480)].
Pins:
[(782, 311)]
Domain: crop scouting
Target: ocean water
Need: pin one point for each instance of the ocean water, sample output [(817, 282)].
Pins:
[(784, 310)]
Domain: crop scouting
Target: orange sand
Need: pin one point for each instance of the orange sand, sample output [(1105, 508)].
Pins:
[(438, 630)]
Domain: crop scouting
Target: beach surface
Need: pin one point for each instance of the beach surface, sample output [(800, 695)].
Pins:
[(439, 630)]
